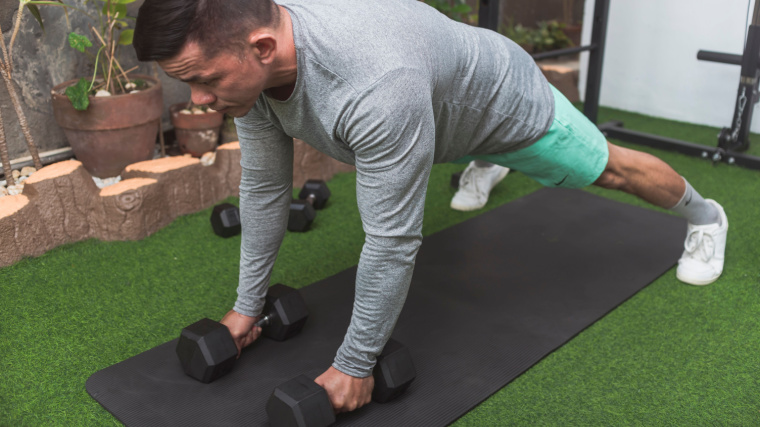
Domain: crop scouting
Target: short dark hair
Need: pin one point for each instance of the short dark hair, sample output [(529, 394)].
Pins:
[(164, 26)]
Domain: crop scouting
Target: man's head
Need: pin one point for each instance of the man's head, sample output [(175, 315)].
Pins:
[(165, 26), (221, 48)]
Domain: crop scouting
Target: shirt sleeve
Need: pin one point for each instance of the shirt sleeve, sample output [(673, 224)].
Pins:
[(266, 189), (391, 129)]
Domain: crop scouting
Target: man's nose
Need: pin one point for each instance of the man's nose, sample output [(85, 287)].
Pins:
[(200, 96)]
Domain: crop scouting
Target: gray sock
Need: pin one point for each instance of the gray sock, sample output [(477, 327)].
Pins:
[(482, 164), (694, 208)]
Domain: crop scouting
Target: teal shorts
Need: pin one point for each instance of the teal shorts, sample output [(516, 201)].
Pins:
[(572, 154)]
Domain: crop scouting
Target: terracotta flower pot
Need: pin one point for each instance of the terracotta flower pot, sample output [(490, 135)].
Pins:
[(196, 133), (115, 131)]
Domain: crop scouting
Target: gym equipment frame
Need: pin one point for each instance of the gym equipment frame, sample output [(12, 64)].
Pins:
[(732, 142)]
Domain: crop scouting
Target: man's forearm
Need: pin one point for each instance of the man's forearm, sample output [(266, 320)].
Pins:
[(263, 216), (382, 282)]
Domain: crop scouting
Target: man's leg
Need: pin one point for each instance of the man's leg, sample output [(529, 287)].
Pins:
[(475, 185), (652, 180)]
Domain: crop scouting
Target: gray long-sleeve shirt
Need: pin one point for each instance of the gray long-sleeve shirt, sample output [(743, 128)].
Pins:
[(391, 86)]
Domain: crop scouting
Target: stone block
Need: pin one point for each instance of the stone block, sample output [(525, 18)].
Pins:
[(130, 210)]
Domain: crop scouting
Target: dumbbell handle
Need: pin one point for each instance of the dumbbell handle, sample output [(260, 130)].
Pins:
[(311, 198), (264, 321)]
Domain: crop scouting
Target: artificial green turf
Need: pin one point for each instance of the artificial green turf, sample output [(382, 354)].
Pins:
[(672, 355)]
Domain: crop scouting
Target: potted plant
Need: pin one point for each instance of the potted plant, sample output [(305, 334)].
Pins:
[(112, 119), (196, 127)]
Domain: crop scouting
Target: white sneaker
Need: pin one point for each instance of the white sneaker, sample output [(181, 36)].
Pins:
[(704, 251), (475, 185)]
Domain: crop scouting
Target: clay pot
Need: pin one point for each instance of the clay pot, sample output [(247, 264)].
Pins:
[(196, 133), (114, 131)]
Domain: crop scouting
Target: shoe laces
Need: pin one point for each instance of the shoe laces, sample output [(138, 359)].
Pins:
[(700, 244)]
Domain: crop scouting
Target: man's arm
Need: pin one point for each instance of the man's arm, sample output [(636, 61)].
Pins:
[(265, 195), (391, 129)]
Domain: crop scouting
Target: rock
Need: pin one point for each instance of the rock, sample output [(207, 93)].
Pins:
[(105, 182), (28, 170), (130, 86), (208, 159), (15, 174), (102, 92), (3, 191), (210, 110), (15, 190), (134, 91), (185, 111), (198, 111), (187, 155)]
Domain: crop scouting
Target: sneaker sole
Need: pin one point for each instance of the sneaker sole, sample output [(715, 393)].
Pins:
[(696, 282)]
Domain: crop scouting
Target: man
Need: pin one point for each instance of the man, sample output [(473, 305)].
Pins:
[(391, 86)]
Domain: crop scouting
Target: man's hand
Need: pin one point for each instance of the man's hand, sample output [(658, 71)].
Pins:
[(346, 392), (243, 328)]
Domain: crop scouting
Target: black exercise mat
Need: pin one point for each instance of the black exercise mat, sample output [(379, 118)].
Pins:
[(490, 297)]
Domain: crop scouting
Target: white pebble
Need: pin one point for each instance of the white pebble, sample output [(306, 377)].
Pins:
[(207, 159), (15, 174), (3, 191), (130, 86), (198, 111), (28, 170), (105, 182), (134, 91), (102, 92), (210, 110), (185, 111), (14, 190)]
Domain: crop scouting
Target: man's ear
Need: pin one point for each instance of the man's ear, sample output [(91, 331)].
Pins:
[(263, 44)]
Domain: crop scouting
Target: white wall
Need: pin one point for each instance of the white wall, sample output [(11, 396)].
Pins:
[(650, 62)]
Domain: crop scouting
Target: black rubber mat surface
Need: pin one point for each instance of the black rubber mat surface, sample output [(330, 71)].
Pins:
[(490, 297)]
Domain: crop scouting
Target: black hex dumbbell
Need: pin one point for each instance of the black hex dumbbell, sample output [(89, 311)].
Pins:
[(313, 196), (207, 351), (225, 220), (301, 402)]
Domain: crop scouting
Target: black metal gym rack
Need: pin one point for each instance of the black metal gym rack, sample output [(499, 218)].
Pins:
[(732, 141)]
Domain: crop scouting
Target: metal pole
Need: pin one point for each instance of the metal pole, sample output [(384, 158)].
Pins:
[(596, 59), (488, 14)]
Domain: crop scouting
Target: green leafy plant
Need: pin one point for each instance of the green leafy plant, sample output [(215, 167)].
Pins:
[(109, 77), (457, 10), (550, 36), (547, 37)]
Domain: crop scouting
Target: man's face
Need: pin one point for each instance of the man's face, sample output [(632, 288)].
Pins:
[(229, 83)]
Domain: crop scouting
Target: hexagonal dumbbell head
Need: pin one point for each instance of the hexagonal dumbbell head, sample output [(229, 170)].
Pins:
[(225, 220), (287, 312), (393, 373), (206, 350), (316, 192), (301, 216), (300, 402)]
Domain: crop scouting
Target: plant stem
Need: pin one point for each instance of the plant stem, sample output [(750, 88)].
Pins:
[(4, 156), (22, 119), (116, 61), (5, 51), (95, 73), (16, 27)]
